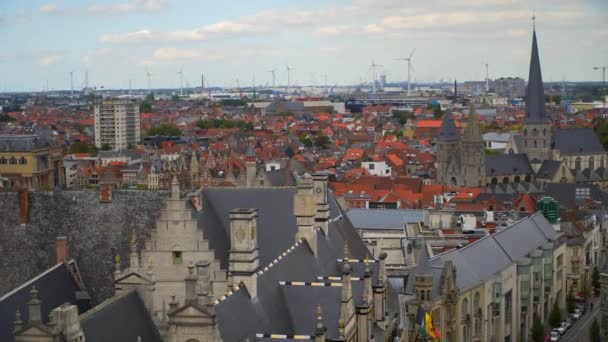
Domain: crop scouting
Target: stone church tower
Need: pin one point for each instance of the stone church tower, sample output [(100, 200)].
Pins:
[(449, 153), (536, 132), (473, 153)]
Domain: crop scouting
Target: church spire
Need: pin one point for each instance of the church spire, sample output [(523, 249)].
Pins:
[(472, 132), (535, 93), (448, 130)]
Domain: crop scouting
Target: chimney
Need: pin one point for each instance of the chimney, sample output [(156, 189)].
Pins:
[(34, 306), (191, 279), (105, 192), (61, 249), (244, 262), (23, 205), (321, 195), (305, 210)]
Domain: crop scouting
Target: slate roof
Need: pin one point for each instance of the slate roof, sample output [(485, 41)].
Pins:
[(548, 169), (448, 130), (384, 218), (96, 233), (565, 193), (123, 318), (507, 164), (511, 188), (482, 259), (55, 287), (577, 141), (19, 143), (535, 92)]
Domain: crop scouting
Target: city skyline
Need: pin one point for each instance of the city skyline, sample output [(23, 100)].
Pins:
[(119, 41)]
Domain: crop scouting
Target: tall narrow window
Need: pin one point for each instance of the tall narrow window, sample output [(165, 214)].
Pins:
[(177, 258)]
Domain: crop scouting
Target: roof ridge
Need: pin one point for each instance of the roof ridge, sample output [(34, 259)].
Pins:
[(30, 281)]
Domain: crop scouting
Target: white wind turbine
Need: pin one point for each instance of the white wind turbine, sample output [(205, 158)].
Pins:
[(409, 71)]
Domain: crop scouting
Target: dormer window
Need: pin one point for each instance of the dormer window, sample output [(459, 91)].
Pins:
[(177, 258)]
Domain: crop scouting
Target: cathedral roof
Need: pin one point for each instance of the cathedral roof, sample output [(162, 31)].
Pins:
[(507, 164), (535, 93), (577, 141), (448, 130)]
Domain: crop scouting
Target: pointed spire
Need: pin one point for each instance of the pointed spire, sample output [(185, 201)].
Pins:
[(472, 132), (448, 130), (535, 93), (34, 306), (18, 322)]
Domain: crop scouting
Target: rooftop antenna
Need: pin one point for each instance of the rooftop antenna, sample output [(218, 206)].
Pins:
[(181, 82), (288, 69), (409, 71)]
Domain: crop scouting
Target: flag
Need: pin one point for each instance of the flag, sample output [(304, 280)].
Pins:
[(430, 331), (420, 321)]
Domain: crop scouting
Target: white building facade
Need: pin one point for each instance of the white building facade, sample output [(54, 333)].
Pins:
[(117, 123)]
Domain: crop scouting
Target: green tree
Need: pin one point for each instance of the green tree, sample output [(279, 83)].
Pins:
[(82, 147), (147, 105), (570, 302), (491, 152), (594, 332), (305, 139), (165, 129), (322, 141), (106, 147), (595, 278), (555, 317), (175, 97), (223, 123), (585, 292), (538, 330), (233, 102), (6, 118)]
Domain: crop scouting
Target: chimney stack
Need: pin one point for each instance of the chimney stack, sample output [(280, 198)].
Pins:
[(305, 210), (61, 249), (23, 205), (244, 259)]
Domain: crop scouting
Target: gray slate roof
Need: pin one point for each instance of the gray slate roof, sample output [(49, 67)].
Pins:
[(484, 258), (384, 218), (19, 143), (507, 164), (55, 287), (548, 169), (577, 141)]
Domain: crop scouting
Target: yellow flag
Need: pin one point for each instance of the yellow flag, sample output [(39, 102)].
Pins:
[(430, 332)]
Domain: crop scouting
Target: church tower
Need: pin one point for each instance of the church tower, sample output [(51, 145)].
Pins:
[(473, 153), (449, 164), (537, 126)]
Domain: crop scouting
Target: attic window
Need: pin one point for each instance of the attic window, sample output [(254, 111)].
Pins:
[(177, 258)]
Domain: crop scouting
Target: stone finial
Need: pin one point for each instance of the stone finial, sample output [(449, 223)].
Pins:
[(34, 306), (117, 263), (173, 303), (133, 241), (18, 322), (341, 328), (175, 188), (367, 283)]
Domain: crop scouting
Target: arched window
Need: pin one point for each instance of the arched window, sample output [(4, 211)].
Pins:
[(591, 164), (544, 131), (3, 160), (22, 161), (476, 301), (603, 161), (494, 180), (465, 307), (517, 179), (13, 161), (454, 181), (528, 179), (534, 132), (577, 164), (505, 180)]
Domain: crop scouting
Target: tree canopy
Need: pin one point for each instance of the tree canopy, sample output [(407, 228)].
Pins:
[(233, 102), (538, 330), (167, 129), (82, 147), (322, 141), (600, 125)]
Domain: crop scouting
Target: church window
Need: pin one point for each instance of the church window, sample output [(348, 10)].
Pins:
[(517, 179), (13, 161), (454, 181), (591, 163), (505, 180), (494, 180), (577, 164), (476, 299), (528, 178), (534, 132), (177, 258), (465, 308)]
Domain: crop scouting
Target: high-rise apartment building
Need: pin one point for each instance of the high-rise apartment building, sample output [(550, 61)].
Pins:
[(116, 123), (511, 87)]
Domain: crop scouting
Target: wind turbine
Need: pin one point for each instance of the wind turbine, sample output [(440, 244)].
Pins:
[(288, 69), (409, 70), (181, 82), (373, 69), (273, 77)]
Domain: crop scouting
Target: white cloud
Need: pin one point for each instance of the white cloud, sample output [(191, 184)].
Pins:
[(48, 59), (132, 6), (170, 55)]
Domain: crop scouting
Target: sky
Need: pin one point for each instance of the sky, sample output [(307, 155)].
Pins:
[(119, 41)]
